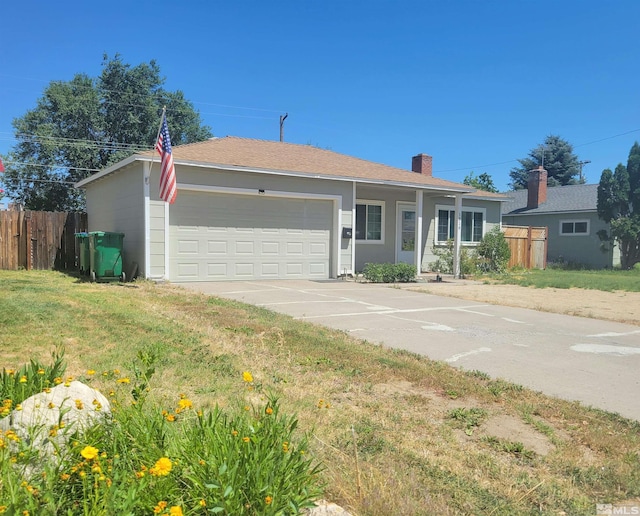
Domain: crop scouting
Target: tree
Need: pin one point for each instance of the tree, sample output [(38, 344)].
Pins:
[(619, 206), (560, 162), (84, 125), (482, 182)]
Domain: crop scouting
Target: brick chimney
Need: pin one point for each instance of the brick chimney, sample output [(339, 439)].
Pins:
[(422, 164), (537, 188)]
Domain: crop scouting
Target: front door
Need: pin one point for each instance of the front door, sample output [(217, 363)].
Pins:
[(406, 233)]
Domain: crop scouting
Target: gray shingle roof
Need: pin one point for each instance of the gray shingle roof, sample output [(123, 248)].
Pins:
[(559, 199)]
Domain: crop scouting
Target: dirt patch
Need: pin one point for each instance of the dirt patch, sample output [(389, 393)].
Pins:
[(502, 426), (617, 306), (512, 429)]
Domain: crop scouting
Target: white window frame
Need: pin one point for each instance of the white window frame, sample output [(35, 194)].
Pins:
[(364, 241), (574, 222), (451, 209)]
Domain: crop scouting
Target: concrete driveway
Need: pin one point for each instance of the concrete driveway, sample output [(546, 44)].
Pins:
[(595, 362)]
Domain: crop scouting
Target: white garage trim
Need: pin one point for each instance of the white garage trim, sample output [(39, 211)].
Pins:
[(147, 219), (337, 214)]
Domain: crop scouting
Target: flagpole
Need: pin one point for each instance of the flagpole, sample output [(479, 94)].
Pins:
[(164, 112)]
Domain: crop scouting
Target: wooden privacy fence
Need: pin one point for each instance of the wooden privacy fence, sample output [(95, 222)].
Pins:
[(528, 246), (40, 239)]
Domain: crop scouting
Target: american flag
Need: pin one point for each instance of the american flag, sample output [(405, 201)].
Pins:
[(168, 187)]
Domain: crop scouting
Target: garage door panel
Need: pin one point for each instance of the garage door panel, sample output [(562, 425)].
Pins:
[(217, 270), (188, 246), (244, 270), (317, 269), (217, 247), (269, 248), (270, 270), (318, 248), (253, 237), (244, 247)]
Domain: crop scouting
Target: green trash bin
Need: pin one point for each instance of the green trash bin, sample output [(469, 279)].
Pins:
[(83, 245), (105, 256)]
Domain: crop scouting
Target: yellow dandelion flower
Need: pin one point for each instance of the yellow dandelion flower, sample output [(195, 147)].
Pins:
[(200, 413), (202, 503), (234, 433), (162, 467), (175, 510), (47, 390), (112, 393), (82, 474), (65, 476), (170, 417), (96, 469), (160, 507), (268, 500), (285, 446), (18, 406), (269, 411), (23, 379), (40, 371), (79, 404), (185, 404), (139, 474), (11, 371), (89, 452), (246, 407), (247, 377), (124, 380), (91, 372), (51, 405), (246, 439)]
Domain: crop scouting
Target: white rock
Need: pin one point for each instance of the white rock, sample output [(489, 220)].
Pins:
[(47, 418)]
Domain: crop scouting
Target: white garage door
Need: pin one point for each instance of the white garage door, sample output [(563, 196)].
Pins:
[(221, 237)]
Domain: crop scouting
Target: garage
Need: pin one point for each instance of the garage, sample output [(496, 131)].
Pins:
[(216, 236)]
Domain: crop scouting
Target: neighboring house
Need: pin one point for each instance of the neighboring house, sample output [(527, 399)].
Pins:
[(569, 212), (255, 209)]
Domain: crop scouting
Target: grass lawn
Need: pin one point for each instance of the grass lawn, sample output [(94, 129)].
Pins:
[(397, 434), (607, 280)]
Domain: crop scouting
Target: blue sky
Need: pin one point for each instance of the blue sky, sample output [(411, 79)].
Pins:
[(476, 84)]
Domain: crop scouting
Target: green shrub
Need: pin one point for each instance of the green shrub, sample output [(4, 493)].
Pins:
[(493, 251), (444, 262), (389, 272)]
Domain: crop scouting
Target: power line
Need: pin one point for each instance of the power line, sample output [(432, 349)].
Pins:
[(159, 96), (44, 165)]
